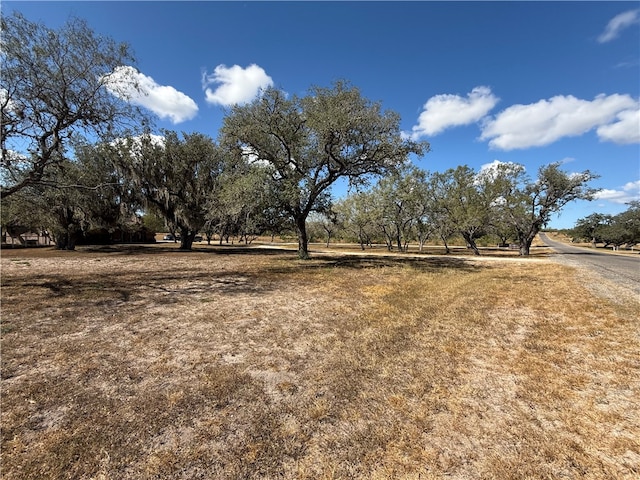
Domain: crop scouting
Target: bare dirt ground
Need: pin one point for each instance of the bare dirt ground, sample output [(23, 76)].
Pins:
[(146, 362)]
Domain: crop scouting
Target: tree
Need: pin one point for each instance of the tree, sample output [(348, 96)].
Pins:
[(425, 210), (462, 203), (331, 222), (23, 212), (357, 212), (62, 205), (590, 228), (154, 222), (402, 205), (631, 221), (175, 176), (245, 204), (530, 204), (616, 230), (54, 87), (325, 224), (310, 142)]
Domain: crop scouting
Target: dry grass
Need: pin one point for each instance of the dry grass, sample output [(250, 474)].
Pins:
[(224, 363)]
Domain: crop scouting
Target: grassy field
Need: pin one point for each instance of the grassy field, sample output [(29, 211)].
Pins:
[(150, 363)]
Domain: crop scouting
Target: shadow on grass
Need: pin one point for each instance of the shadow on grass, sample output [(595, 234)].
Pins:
[(125, 287), (377, 261), (318, 259), (165, 250), (169, 284)]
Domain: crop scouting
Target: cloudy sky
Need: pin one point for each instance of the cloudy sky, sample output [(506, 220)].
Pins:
[(524, 82)]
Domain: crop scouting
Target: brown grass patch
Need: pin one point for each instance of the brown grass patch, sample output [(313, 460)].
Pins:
[(223, 363)]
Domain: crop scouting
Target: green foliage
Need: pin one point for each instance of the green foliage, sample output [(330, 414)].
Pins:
[(246, 205), (176, 177), (308, 143), (462, 202), (53, 89), (496, 205), (615, 230), (65, 205), (401, 206), (154, 222), (359, 217), (526, 206), (278, 157)]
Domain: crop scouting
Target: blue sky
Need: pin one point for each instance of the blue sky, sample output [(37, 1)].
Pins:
[(525, 82)]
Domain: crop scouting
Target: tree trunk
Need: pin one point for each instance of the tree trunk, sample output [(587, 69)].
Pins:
[(526, 239), (361, 238), (66, 239), (399, 239), (303, 240), (471, 243), (446, 245), (186, 239), (388, 238)]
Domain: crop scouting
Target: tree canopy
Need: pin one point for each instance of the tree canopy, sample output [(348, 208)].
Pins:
[(53, 88), (175, 177), (308, 143), (528, 205), (616, 230)]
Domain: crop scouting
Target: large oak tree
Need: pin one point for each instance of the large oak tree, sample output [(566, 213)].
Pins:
[(310, 142), (175, 177), (529, 204)]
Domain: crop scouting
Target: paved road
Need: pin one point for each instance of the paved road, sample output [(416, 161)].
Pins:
[(622, 269)]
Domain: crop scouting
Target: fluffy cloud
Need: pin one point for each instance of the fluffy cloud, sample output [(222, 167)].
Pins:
[(618, 23), (491, 171), (544, 122), (628, 193), (497, 165), (625, 130), (165, 101), (445, 111), (237, 85)]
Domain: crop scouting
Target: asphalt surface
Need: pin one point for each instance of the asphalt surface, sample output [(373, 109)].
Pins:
[(621, 269)]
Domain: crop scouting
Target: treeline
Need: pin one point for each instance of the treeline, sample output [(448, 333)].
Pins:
[(615, 231), (498, 204), (189, 184), (77, 158)]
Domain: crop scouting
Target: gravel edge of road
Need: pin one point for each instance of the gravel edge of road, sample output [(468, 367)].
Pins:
[(603, 283)]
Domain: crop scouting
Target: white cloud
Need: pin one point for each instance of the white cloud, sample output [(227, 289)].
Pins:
[(128, 84), (446, 110), (492, 171), (618, 23), (135, 143), (544, 122), (566, 160), (625, 130), (497, 165), (237, 85), (628, 193)]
